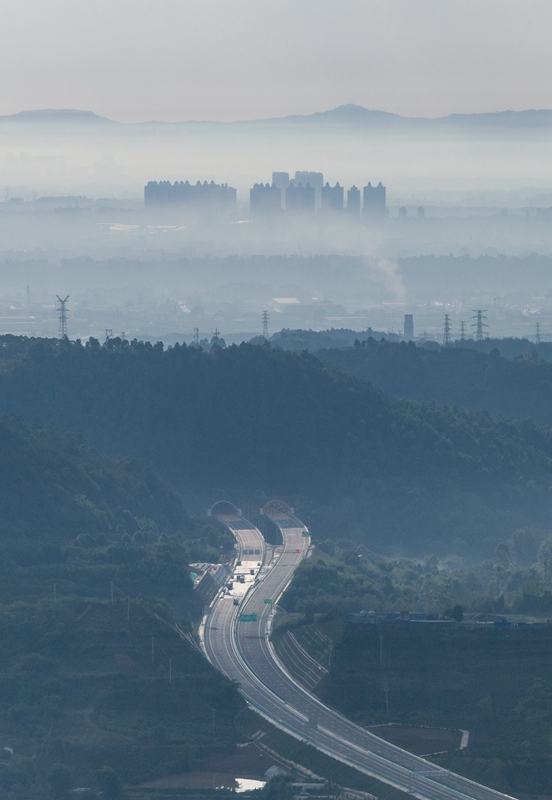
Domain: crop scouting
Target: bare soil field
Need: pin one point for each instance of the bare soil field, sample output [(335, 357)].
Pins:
[(221, 771), (419, 740)]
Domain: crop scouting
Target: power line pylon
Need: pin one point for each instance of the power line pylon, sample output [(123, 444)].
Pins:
[(196, 338), (446, 331), (479, 325), (265, 324), (462, 331), (537, 334), (62, 332), (108, 334)]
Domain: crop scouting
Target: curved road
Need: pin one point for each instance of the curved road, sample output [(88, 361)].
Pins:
[(242, 651)]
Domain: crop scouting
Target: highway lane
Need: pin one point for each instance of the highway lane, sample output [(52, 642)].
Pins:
[(242, 651)]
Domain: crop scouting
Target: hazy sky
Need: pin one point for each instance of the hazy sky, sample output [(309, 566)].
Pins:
[(135, 60)]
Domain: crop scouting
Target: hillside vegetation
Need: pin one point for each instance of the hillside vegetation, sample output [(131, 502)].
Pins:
[(518, 387), (259, 421), (74, 520), (517, 580), (497, 684), (82, 688), (88, 683)]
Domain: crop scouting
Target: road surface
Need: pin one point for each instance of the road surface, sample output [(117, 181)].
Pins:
[(242, 651)]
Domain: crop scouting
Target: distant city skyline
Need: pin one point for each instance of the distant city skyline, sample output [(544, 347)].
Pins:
[(178, 60)]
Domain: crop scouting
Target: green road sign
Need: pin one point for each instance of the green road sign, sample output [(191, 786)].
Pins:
[(248, 618), (268, 601)]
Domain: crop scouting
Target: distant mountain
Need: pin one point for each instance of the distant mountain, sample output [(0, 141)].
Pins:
[(351, 114), (529, 118), (345, 115), (57, 115)]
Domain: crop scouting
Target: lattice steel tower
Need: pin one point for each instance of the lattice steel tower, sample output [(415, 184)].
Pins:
[(62, 332), (265, 324), (537, 334), (446, 331), (462, 331), (479, 325)]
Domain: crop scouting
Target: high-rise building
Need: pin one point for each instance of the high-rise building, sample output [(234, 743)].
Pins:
[(332, 198), (408, 328), (374, 201), (300, 199), (200, 196), (353, 201), (265, 199), (403, 213), (314, 179), (281, 181)]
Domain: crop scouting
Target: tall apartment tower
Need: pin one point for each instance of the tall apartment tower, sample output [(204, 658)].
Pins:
[(300, 199), (265, 200), (314, 179), (408, 328), (332, 198), (353, 202), (206, 197), (281, 181), (375, 201)]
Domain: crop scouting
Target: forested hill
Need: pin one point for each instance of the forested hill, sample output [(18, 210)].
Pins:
[(253, 421), (77, 520), (52, 488), (517, 387)]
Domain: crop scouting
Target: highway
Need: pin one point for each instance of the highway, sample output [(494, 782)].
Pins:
[(242, 651)]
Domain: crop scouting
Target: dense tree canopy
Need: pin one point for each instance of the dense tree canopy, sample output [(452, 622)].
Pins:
[(74, 519), (254, 420), (517, 387), (83, 694)]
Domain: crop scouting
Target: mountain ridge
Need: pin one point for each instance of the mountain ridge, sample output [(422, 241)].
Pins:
[(348, 113)]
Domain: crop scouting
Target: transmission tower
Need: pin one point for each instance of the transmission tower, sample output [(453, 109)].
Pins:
[(108, 334), (537, 334), (446, 331), (265, 324), (462, 331), (196, 338), (479, 324), (62, 333)]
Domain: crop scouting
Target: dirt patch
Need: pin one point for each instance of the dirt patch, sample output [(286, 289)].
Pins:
[(245, 760), (221, 771), (195, 780), (418, 740)]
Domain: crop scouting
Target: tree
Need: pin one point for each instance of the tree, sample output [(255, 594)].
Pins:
[(109, 783), (60, 780), (456, 612), (279, 788)]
